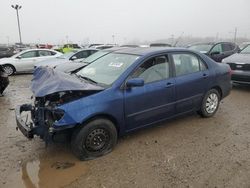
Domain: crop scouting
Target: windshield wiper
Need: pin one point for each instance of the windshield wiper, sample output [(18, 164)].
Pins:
[(86, 78)]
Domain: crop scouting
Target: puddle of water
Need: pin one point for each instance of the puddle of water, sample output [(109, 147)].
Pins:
[(53, 171)]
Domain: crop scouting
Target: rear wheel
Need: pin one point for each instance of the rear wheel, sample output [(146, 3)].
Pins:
[(210, 103), (95, 139), (9, 69)]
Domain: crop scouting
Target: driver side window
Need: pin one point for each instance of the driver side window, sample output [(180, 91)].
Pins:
[(29, 54), (154, 69), (217, 48)]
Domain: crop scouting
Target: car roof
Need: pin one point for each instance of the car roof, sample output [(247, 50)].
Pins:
[(113, 49), (210, 43), (40, 49), (86, 49), (150, 50)]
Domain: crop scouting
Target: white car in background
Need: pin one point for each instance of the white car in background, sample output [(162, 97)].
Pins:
[(77, 56), (25, 60)]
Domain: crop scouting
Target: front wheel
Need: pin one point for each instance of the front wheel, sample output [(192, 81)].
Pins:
[(9, 69), (210, 103), (94, 139)]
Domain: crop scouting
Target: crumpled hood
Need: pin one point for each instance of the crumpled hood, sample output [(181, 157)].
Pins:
[(48, 81), (237, 58), (70, 66)]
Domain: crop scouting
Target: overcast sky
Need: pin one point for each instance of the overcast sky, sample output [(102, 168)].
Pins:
[(55, 21)]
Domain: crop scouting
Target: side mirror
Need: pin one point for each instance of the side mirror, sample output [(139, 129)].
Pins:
[(73, 58), (135, 82), (19, 57), (214, 53)]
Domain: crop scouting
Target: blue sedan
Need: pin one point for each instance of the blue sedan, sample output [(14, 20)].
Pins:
[(121, 92)]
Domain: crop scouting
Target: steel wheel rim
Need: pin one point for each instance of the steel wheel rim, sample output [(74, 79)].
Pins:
[(97, 140), (8, 70), (212, 103)]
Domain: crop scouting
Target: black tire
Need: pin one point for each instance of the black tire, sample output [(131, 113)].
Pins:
[(95, 139), (210, 103), (9, 69)]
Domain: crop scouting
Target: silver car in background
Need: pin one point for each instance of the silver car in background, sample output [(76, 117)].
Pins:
[(24, 61), (240, 65)]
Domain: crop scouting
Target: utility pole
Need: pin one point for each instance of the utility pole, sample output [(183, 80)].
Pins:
[(235, 34), (18, 7), (113, 36), (67, 39)]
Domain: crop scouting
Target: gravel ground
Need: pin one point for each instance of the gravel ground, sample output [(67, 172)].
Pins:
[(186, 152)]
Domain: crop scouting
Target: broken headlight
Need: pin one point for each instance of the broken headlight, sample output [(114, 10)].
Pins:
[(53, 115), (57, 114)]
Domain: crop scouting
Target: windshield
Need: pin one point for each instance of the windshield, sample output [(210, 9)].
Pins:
[(201, 47), (246, 50), (106, 70), (95, 56), (66, 56)]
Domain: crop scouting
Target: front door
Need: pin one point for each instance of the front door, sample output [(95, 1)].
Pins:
[(25, 62), (155, 100)]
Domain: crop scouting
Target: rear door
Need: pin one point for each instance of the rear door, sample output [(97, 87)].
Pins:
[(155, 100), (45, 54), (192, 77)]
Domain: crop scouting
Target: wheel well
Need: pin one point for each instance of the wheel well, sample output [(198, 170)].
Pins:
[(219, 90), (105, 116), (10, 66)]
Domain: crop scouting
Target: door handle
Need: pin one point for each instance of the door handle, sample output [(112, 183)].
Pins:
[(205, 75), (169, 84)]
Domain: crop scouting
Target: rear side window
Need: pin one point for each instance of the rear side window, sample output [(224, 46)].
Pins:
[(187, 64), (93, 51), (232, 46), (154, 69), (82, 54), (226, 47), (44, 53)]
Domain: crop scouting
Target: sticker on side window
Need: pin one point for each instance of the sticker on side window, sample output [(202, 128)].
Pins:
[(117, 64)]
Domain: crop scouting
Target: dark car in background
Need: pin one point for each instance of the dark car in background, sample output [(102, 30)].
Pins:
[(240, 65), (216, 50), (4, 80), (121, 92), (6, 51), (160, 45)]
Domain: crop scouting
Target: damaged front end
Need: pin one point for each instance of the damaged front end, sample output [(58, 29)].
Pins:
[(43, 117), (40, 118)]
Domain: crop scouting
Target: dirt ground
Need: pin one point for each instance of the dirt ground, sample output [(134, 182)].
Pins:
[(186, 152)]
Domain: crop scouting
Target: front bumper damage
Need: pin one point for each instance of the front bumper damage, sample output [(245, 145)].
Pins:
[(33, 121), (29, 125), (26, 129)]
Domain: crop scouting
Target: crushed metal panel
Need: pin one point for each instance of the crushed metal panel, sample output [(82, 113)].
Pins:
[(47, 81)]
